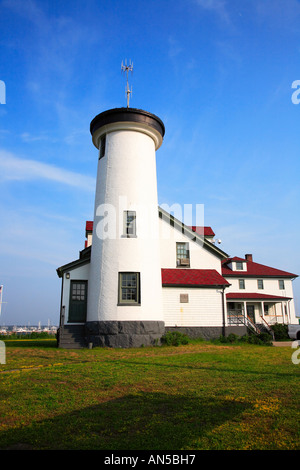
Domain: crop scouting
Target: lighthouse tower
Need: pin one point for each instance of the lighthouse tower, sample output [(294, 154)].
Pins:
[(125, 293)]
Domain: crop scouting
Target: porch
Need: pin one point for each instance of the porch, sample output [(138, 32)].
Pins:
[(257, 311)]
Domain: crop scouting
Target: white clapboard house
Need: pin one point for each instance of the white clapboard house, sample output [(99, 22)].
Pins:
[(143, 271)]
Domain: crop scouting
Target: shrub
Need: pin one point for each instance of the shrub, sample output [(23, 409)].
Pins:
[(280, 331), (251, 338), (174, 338), (263, 338), (232, 338)]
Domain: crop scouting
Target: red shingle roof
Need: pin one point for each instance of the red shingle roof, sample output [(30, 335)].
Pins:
[(206, 231), (89, 226), (252, 296), (253, 269), (192, 277)]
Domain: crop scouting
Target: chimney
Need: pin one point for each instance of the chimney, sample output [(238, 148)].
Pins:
[(248, 257)]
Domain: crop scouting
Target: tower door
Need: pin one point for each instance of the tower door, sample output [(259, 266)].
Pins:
[(78, 302)]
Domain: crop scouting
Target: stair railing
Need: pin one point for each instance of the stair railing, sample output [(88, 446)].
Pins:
[(268, 327)]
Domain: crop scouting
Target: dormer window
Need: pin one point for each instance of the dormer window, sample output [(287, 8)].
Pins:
[(239, 266)]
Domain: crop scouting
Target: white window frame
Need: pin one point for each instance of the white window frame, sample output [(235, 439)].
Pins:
[(260, 284), (129, 224), (183, 254)]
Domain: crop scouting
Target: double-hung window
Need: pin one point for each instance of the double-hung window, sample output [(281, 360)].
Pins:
[(260, 283), (129, 288), (281, 284), (242, 283), (183, 254)]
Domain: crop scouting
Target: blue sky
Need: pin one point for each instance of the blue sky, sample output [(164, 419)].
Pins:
[(218, 73)]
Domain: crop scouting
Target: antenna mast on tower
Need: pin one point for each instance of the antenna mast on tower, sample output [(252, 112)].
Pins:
[(127, 68)]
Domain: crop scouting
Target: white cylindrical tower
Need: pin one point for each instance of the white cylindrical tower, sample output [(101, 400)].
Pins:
[(125, 292)]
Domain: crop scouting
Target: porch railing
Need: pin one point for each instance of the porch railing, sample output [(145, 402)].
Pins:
[(237, 317)]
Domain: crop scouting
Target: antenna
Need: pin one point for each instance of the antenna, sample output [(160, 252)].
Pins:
[(127, 68)]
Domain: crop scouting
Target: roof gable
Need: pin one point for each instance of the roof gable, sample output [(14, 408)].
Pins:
[(190, 234), (253, 270)]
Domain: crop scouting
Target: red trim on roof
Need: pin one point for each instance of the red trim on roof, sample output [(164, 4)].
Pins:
[(253, 269), (192, 277), (252, 296)]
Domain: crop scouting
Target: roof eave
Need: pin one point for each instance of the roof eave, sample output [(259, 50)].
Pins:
[(73, 265)]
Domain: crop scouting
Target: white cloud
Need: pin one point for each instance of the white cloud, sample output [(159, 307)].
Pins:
[(15, 168), (215, 6), (27, 137)]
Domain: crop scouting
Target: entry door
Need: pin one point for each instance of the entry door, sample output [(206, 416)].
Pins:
[(250, 313), (78, 302)]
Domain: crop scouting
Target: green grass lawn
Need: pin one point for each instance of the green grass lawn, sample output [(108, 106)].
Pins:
[(192, 397)]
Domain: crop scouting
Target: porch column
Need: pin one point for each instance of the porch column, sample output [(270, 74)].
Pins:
[(282, 312), (245, 311), (262, 306)]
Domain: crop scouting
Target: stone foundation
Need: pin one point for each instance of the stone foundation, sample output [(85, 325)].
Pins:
[(124, 334), (208, 332)]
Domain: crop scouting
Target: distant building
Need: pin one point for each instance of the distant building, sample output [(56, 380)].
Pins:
[(142, 271)]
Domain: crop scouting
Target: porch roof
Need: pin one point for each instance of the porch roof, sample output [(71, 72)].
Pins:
[(254, 296)]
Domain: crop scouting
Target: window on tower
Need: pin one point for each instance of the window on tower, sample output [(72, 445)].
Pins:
[(102, 146), (129, 288), (129, 224)]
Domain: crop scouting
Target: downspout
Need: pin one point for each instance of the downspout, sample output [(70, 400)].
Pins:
[(62, 312), (223, 312)]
